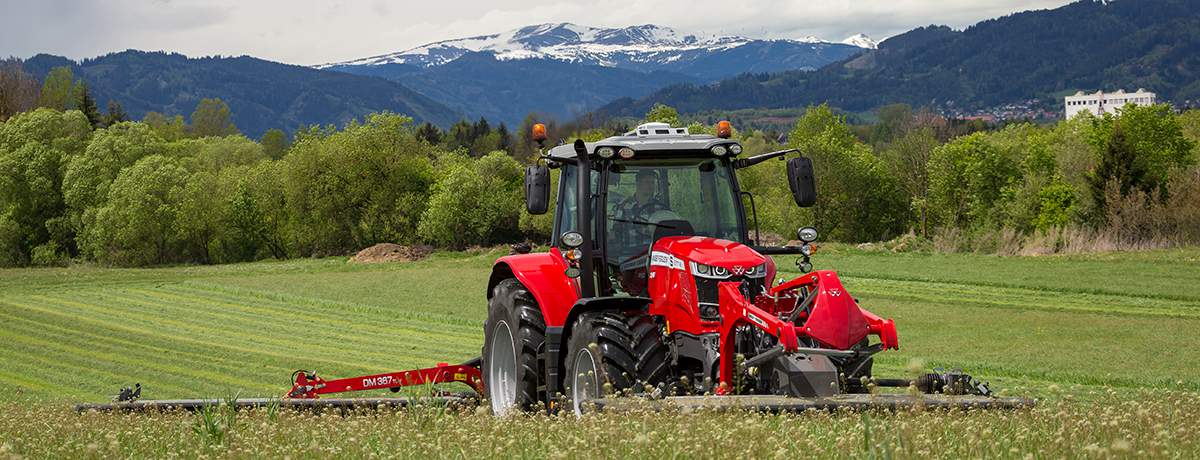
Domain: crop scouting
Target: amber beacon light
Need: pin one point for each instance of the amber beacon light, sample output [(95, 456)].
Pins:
[(724, 129)]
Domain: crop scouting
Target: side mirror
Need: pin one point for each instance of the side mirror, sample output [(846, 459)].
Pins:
[(537, 189), (800, 180)]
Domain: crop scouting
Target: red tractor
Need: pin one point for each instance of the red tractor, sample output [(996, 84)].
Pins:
[(653, 285)]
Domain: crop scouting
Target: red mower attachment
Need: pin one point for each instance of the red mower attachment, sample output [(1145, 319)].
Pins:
[(307, 385)]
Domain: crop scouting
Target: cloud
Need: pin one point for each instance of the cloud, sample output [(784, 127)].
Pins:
[(316, 31)]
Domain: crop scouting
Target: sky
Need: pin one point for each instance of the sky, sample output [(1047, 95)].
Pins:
[(318, 31)]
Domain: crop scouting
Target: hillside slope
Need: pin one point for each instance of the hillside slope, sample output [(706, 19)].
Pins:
[(1087, 45), (261, 94), (479, 85)]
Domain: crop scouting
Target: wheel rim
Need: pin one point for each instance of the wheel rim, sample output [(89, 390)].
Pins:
[(502, 370), (585, 383)]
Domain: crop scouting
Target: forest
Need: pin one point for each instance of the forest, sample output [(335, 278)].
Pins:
[(80, 185)]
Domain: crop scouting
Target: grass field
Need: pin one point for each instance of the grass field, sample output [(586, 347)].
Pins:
[(1091, 335)]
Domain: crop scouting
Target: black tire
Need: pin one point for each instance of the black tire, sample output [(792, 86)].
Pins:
[(514, 323), (609, 351)]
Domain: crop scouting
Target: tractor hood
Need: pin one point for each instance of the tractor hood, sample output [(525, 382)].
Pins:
[(711, 251)]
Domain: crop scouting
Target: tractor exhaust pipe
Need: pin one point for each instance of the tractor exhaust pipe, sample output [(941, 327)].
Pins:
[(587, 279)]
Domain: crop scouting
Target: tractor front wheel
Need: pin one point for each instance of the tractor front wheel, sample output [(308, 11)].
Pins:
[(513, 333), (609, 352)]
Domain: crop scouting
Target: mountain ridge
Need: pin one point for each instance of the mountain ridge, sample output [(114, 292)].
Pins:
[(261, 94), (1032, 55), (637, 47)]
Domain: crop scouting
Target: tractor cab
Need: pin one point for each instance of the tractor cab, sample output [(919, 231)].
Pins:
[(653, 182)]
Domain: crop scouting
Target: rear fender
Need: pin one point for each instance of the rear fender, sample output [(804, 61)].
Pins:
[(543, 274)]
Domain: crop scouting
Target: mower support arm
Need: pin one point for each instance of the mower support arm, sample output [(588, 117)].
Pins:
[(307, 385)]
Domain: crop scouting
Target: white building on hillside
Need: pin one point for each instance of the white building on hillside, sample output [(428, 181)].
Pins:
[(1100, 102)]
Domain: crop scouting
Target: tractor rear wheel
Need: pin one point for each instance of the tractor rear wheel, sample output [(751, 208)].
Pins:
[(513, 334), (609, 352)]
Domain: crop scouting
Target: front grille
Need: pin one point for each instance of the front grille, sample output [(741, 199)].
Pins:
[(706, 293)]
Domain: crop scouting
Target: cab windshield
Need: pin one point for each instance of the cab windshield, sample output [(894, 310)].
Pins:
[(652, 199)]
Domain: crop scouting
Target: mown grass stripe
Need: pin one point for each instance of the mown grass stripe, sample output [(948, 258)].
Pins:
[(124, 327), (1008, 285), (415, 340), (257, 308), (66, 370), (130, 355), (297, 339), (14, 383), (1013, 302), (292, 302)]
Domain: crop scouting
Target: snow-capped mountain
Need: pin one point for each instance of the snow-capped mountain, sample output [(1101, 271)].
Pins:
[(643, 48), (861, 41), (565, 69)]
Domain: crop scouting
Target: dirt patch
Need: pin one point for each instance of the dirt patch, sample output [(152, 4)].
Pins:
[(390, 252)]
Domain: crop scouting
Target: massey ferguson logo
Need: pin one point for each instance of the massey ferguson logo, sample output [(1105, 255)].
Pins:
[(738, 270), (835, 292)]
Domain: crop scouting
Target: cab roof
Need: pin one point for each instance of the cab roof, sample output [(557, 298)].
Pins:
[(658, 138)]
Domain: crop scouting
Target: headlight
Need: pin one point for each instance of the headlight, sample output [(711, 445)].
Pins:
[(735, 149), (626, 153), (572, 239), (719, 150), (605, 152), (758, 271), (807, 234), (720, 273)]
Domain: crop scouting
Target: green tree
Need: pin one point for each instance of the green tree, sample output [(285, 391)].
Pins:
[(475, 203), (88, 175), (367, 184), (136, 224), (170, 129), (857, 198), (461, 136), (895, 120), (212, 118), (967, 179), (18, 89), (504, 142), (662, 113), (908, 158), (116, 114), (1121, 166), (257, 212), (430, 133), (216, 153), (1155, 142), (274, 143), (59, 89), (87, 104), (33, 149)]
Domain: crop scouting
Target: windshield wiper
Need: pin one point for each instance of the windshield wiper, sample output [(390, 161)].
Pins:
[(629, 221)]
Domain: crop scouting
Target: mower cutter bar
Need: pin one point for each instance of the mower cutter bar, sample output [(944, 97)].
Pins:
[(343, 404), (853, 402)]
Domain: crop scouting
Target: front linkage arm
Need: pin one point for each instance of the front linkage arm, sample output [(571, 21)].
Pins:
[(823, 286)]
